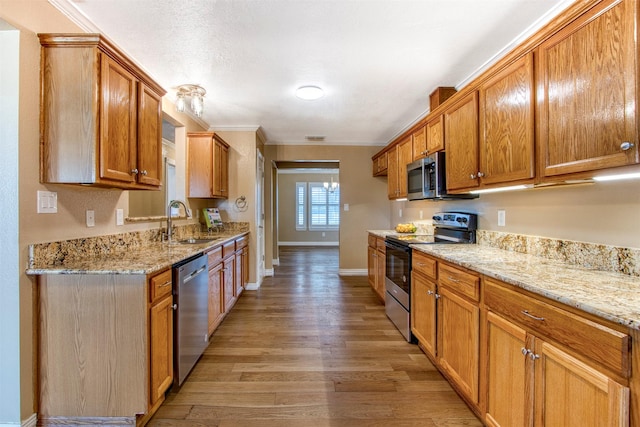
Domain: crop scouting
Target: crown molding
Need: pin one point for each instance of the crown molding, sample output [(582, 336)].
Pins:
[(72, 12)]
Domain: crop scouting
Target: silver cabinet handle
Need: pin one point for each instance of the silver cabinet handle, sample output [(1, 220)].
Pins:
[(472, 176), (437, 296), (454, 280), (429, 292), (480, 174), (524, 351), (134, 171), (174, 306), (143, 172), (533, 356), (626, 145), (526, 313), (165, 284)]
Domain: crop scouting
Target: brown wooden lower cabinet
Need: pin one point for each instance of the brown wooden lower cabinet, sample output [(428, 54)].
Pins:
[(376, 263), (558, 368), (228, 276)]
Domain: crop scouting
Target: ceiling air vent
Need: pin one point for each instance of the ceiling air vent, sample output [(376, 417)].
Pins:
[(314, 138)]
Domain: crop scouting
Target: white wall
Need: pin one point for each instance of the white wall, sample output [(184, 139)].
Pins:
[(9, 216)]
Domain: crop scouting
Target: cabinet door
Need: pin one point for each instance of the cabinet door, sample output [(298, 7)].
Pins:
[(161, 348), (229, 283), (405, 156), (372, 257), (461, 140), (435, 135), (199, 165), (509, 375), (392, 173), (458, 341), (420, 143), (570, 393), (587, 93), (381, 287), (149, 137), (117, 122), (423, 311), (216, 305), (506, 124), (220, 170)]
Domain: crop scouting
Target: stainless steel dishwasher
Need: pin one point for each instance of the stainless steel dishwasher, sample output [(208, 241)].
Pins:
[(191, 322)]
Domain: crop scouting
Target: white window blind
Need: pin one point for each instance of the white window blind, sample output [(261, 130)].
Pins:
[(301, 201), (324, 207)]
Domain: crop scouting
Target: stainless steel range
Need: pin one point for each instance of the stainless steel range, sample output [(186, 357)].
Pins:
[(450, 228)]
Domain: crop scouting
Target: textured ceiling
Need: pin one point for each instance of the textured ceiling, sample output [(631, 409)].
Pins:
[(377, 60)]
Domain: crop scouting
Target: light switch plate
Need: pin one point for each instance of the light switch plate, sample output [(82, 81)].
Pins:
[(346, 207), (47, 202)]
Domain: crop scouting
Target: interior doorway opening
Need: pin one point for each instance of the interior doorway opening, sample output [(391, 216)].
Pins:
[(307, 205)]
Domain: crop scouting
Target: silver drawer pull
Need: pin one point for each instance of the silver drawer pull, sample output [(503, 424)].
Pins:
[(526, 313), (454, 280), (626, 145), (165, 284)]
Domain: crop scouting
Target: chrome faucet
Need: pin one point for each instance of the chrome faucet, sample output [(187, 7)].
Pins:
[(174, 203)]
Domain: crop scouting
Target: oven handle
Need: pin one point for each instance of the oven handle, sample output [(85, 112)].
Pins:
[(396, 246)]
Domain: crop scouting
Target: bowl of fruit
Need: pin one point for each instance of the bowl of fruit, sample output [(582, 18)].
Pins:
[(406, 228)]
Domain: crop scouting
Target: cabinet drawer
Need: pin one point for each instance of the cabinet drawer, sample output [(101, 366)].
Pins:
[(424, 264), (228, 248), (160, 285), (460, 281), (372, 240), (593, 340), (241, 242), (380, 245), (214, 256)]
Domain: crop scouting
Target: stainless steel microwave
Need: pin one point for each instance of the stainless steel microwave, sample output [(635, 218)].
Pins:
[(426, 179)]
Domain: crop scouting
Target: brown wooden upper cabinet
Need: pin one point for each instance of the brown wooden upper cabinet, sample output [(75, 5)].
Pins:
[(207, 166), (461, 140), (587, 92), (506, 125), (101, 116), (435, 134), (380, 164), (397, 159), (419, 142)]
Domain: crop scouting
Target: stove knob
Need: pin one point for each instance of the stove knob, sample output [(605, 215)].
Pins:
[(461, 219), (436, 218)]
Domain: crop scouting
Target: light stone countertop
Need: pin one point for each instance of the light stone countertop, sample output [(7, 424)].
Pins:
[(146, 259), (609, 295)]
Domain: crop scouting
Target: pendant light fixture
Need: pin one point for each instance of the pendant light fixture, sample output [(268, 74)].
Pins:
[(196, 93)]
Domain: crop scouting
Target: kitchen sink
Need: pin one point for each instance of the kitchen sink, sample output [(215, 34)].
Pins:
[(194, 241)]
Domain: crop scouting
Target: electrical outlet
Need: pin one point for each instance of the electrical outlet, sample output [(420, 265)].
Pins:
[(501, 218), (91, 218), (400, 213)]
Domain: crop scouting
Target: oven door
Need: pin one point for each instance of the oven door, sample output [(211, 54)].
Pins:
[(397, 272)]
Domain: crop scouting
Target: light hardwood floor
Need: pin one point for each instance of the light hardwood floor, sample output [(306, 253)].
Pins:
[(311, 348)]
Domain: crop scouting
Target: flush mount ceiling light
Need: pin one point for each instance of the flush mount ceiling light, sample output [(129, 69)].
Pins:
[(309, 93), (196, 93)]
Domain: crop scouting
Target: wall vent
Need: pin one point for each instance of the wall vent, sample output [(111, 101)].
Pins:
[(314, 138)]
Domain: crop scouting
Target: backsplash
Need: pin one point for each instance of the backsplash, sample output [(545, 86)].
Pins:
[(587, 255), (54, 253)]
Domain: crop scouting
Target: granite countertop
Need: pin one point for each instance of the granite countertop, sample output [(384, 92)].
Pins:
[(609, 295), (145, 259)]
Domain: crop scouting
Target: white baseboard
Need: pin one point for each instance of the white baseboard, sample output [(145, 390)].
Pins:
[(268, 272), (353, 272), (308, 243), (251, 286), (276, 261), (32, 421), (29, 422)]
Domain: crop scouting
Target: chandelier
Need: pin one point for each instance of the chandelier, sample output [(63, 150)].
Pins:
[(331, 186), (196, 93)]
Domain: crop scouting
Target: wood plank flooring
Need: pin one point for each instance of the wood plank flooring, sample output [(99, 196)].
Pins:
[(311, 348)]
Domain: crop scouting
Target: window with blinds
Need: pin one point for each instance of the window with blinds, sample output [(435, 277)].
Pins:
[(316, 207)]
